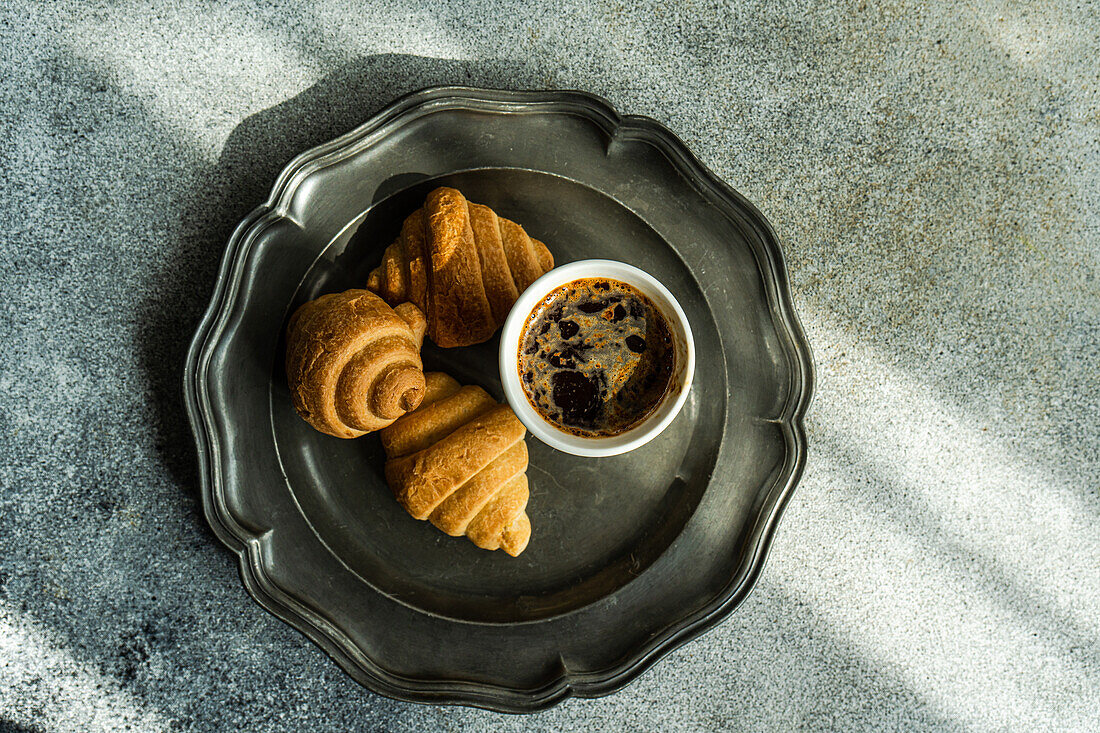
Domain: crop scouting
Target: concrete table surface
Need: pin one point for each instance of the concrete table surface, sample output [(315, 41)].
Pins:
[(932, 169)]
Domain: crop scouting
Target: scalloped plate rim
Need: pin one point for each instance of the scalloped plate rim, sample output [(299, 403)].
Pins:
[(248, 547)]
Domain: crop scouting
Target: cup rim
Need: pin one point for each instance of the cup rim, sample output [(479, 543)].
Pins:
[(658, 420)]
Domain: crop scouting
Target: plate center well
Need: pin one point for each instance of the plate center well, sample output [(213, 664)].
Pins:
[(597, 523)]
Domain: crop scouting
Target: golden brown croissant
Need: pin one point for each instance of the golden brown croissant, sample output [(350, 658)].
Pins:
[(353, 363), (462, 265), (459, 461)]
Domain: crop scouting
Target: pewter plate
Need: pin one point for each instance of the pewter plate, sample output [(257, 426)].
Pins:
[(630, 556)]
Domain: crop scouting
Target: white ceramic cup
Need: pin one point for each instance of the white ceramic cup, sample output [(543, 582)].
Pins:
[(657, 420)]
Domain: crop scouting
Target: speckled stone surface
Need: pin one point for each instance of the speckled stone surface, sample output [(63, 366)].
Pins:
[(933, 170)]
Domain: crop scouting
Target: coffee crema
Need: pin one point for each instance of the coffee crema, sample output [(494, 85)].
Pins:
[(596, 357)]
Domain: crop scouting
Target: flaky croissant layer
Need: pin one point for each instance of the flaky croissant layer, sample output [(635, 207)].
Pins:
[(462, 265), (459, 461)]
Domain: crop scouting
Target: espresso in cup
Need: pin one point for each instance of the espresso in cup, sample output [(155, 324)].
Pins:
[(596, 357)]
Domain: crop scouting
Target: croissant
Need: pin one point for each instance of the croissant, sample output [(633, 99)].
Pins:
[(353, 363), (459, 462), (462, 265)]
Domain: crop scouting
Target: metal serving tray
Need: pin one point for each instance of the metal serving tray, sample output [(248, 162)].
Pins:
[(630, 556)]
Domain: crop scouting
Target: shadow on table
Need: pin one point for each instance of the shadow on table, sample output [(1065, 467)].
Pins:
[(7, 726), (253, 155)]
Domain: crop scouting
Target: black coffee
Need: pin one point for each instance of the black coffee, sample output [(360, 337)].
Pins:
[(596, 357)]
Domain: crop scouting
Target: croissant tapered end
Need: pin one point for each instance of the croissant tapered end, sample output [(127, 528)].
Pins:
[(353, 363), (462, 265), (515, 537), (459, 460), (414, 317), (399, 389)]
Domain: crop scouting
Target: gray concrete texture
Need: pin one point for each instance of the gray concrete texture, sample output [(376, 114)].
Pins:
[(933, 170)]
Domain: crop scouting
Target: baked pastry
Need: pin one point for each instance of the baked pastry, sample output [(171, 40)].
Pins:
[(459, 461), (353, 363), (462, 265)]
